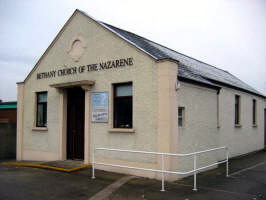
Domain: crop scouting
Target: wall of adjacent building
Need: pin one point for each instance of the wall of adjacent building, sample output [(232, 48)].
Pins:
[(8, 133)]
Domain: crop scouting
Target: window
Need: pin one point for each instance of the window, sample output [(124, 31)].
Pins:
[(123, 105), (41, 115), (237, 109), (254, 112), (181, 112)]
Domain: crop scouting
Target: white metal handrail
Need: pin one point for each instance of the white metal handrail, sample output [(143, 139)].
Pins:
[(162, 170)]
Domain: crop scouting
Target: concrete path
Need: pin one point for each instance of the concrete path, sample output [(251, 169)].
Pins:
[(106, 192)]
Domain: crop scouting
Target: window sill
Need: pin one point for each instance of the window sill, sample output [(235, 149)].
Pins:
[(39, 129), (121, 130), (238, 125)]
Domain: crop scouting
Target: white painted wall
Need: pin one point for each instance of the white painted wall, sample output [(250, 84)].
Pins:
[(200, 129), (244, 139), (201, 132), (101, 46)]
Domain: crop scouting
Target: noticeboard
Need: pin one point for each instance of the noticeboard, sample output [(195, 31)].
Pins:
[(99, 107)]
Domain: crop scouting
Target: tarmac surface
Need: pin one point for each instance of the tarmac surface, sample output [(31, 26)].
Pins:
[(247, 181)]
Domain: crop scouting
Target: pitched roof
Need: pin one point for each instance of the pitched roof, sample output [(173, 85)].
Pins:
[(189, 68)]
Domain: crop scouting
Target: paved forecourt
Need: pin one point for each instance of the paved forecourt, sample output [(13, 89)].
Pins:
[(247, 181)]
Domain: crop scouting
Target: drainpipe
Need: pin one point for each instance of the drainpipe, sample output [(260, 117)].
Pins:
[(218, 109)]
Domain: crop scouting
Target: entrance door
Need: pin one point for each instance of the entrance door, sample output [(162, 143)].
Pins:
[(75, 123)]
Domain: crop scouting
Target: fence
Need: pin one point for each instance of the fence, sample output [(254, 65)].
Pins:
[(162, 170)]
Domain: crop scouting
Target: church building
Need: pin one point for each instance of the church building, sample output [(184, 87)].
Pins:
[(97, 85)]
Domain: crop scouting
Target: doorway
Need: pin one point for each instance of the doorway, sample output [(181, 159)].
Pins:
[(75, 123)]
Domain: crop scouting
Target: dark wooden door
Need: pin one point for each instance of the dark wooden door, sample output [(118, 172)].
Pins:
[(75, 123)]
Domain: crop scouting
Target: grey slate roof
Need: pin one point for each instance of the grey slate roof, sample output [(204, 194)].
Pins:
[(189, 68)]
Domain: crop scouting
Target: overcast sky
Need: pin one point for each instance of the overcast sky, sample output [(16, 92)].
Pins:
[(229, 34)]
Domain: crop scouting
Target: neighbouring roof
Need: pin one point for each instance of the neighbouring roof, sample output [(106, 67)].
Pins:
[(8, 105), (189, 68)]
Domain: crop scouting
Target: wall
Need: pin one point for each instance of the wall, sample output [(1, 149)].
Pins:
[(244, 139), (167, 126), (8, 115), (8, 133), (201, 129), (7, 141), (101, 45), (200, 124)]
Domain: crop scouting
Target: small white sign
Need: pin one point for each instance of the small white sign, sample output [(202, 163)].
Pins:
[(99, 105)]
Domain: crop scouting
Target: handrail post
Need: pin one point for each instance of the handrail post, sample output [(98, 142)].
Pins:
[(162, 190), (93, 164), (227, 164), (195, 173)]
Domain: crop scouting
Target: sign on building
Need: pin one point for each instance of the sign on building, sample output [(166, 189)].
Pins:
[(99, 107)]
